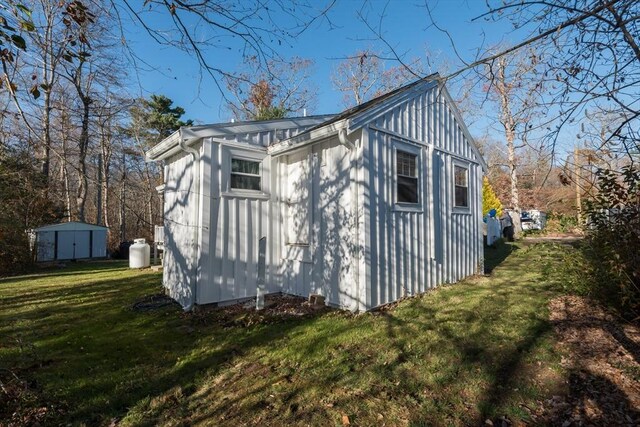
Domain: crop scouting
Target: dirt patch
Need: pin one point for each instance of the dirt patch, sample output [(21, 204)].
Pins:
[(602, 357), (153, 302), (22, 404), (277, 308)]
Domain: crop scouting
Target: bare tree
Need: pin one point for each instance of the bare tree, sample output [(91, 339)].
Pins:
[(509, 86), (592, 59), (261, 95), (365, 75)]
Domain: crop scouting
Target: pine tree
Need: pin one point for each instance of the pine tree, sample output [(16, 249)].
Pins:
[(489, 199)]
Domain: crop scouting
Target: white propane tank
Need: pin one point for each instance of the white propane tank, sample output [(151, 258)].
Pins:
[(139, 254)]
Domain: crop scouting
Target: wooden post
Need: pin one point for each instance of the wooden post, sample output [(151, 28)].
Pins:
[(262, 249)]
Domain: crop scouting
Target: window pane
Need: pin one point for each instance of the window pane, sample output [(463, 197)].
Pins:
[(245, 182), (245, 166), (406, 164), (460, 176), (407, 189), (462, 197)]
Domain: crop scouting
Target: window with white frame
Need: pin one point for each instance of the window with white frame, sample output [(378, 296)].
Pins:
[(461, 184), (406, 177), (245, 175)]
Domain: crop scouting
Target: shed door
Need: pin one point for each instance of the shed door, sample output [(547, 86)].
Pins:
[(66, 240), (82, 244), (46, 243), (73, 244)]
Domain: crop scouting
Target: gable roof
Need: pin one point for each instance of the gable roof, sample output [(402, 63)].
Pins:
[(320, 126), (349, 118), (354, 118), (70, 226)]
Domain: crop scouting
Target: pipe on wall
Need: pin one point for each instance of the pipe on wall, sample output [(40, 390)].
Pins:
[(196, 217), (353, 176)]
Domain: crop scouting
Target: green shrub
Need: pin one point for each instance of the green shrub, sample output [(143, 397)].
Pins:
[(560, 223), (612, 244)]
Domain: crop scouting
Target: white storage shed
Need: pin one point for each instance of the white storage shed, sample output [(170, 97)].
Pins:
[(379, 202), (69, 241)]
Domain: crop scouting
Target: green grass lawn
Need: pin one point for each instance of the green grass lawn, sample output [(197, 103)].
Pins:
[(470, 351)]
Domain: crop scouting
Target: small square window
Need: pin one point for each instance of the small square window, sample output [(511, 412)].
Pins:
[(406, 177), (461, 187), (245, 175)]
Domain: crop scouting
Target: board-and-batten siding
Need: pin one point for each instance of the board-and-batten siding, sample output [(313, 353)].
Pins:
[(322, 172), (179, 203), (406, 251), (412, 250), (233, 223)]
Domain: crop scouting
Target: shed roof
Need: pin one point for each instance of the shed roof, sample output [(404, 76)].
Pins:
[(70, 226)]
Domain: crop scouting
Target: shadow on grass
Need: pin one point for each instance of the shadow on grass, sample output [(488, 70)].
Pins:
[(495, 255), (101, 356), (451, 357), (69, 269)]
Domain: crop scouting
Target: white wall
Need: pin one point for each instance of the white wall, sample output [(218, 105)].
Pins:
[(179, 203), (234, 221), (314, 184), (409, 251), (392, 252)]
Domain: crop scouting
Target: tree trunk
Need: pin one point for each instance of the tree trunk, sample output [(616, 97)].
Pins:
[(122, 217), (46, 133), (65, 178), (509, 124), (83, 146)]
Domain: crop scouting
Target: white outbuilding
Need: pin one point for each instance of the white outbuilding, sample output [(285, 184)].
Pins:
[(69, 241), (365, 207)]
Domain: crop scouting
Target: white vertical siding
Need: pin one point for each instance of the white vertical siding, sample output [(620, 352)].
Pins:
[(390, 251), (179, 203), (411, 250), (233, 223), (326, 266)]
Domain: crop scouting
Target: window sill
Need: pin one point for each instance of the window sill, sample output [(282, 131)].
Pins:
[(247, 194), (461, 211), (401, 207)]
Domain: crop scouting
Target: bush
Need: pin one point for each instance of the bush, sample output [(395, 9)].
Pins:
[(612, 244), (24, 204), (561, 224), (490, 199)]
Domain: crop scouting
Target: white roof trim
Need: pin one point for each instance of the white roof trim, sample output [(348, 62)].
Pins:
[(306, 138), (352, 123), (169, 146), (71, 225)]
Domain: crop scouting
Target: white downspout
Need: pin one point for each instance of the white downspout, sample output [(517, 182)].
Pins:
[(342, 138), (196, 217)]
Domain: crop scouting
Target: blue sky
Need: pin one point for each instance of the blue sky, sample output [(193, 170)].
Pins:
[(405, 25)]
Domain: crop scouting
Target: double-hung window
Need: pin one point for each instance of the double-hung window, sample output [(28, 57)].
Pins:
[(406, 177), (245, 174), (461, 184)]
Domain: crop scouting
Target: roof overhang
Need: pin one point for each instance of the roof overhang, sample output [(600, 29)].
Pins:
[(191, 134), (307, 138)]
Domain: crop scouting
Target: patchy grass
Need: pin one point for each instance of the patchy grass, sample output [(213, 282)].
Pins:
[(478, 349)]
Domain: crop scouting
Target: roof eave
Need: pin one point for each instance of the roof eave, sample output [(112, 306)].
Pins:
[(307, 138), (164, 148)]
